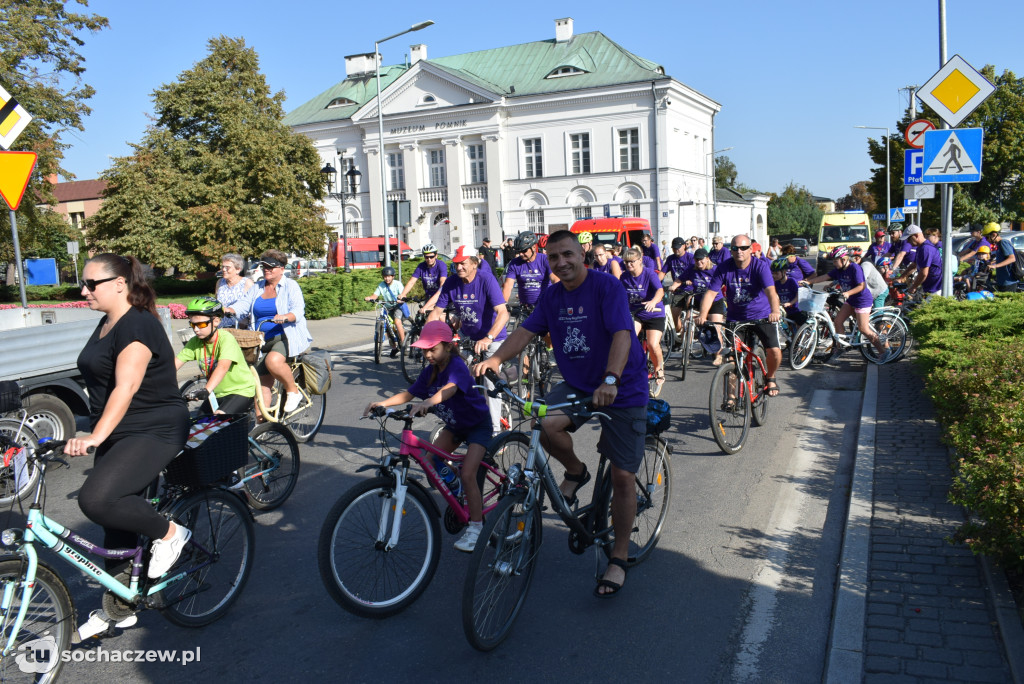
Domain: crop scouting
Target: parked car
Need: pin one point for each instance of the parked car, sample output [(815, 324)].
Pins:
[(801, 246)]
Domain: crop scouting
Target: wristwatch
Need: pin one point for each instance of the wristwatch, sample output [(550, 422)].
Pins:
[(490, 337), (611, 379)]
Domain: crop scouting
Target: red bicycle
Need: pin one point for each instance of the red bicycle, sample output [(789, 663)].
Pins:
[(738, 396)]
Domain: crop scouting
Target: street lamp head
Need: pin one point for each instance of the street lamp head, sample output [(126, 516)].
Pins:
[(328, 170), (422, 25), (353, 173)]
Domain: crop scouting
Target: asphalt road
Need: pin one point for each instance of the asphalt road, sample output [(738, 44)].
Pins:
[(739, 589)]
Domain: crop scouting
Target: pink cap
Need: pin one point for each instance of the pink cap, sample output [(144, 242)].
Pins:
[(433, 333)]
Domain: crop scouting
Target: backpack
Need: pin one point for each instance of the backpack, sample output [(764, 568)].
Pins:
[(1017, 267), (316, 371), (659, 416)]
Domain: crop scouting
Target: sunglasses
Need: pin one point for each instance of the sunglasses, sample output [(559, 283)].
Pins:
[(739, 248), (631, 261), (91, 284), (202, 325), (429, 256), (265, 265)]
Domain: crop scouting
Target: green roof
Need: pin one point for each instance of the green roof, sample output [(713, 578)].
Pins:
[(523, 67)]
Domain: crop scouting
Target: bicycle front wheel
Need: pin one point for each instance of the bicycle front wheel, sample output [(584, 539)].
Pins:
[(413, 359), (758, 396), (217, 560), (803, 345), (526, 382), (46, 631), (378, 339), (686, 346), (653, 482), (890, 328), (500, 571), (729, 408), (17, 481), (275, 455), (362, 570)]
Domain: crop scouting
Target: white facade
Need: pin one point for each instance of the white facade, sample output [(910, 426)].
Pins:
[(466, 157)]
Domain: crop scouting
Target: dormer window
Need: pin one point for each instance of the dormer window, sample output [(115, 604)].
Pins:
[(428, 100), (339, 102), (565, 71)]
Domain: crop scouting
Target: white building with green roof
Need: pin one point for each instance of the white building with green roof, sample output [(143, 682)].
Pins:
[(526, 137)]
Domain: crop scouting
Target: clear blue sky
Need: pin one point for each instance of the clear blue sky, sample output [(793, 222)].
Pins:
[(793, 78)]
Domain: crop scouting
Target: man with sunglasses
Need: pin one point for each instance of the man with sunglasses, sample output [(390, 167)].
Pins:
[(432, 272), (220, 359), (750, 296), (530, 271), (1004, 257), (718, 253)]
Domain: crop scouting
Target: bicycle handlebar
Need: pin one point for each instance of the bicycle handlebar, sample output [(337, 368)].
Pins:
[(582, 406)]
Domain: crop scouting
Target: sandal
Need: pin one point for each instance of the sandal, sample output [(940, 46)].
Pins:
[(659, 382), (580, 480), (615, 587), (717, 361), (771, 387)]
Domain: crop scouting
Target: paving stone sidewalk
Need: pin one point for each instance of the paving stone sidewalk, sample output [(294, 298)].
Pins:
[(928, 615)]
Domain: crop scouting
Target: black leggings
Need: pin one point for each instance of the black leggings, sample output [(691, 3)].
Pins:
[(110, 494)]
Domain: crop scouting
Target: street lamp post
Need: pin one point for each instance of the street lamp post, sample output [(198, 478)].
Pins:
[(380, 134), (888, 175), (352, 175)]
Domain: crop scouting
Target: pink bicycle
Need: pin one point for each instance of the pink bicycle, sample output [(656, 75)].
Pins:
[(381, 542)]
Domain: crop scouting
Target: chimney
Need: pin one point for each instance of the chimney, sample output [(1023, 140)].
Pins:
[(357, 65), (563, 30), (417, 52)]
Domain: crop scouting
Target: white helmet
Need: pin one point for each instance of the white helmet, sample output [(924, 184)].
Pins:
[(429, 249)]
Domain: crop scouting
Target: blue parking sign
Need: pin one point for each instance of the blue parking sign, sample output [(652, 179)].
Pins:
[(913, 167)]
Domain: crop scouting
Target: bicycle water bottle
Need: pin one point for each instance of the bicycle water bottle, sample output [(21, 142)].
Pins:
[(450, 477)]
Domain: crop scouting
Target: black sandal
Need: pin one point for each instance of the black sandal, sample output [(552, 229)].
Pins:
[(615, 587), (580, 480), (771, 387)]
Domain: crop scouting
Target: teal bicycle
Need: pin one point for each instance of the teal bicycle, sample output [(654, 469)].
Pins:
[(37, 617)]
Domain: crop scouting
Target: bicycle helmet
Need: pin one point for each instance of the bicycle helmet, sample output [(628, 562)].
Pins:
[(894, 227), (586, 237), (678, 242), (856, 251), (204, 306), (838, 253), (429, 249), (524, 241), (990, 228), (708, 337), (388, 271), (780, 264)]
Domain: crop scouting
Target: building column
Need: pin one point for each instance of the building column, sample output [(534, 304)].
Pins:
[(453, 170), (411, 165), (492, 155), (377, 217)]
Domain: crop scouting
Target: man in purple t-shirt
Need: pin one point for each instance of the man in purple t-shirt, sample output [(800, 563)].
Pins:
[(651, 250), (718, 252), (750, 296), (530, 272), (597, 352), (432, 272), (929, 264), (482, 311)]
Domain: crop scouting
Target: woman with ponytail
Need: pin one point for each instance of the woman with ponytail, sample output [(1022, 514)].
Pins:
[(139, 421)]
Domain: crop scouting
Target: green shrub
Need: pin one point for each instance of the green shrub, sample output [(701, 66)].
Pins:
[(972, 354)]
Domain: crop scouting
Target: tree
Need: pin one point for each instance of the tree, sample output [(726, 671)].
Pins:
[(794, 212), (725, 173), (217, 172), (859, 198), (41, 68)]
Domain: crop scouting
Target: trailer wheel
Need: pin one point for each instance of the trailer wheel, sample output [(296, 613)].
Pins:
[(50, 417)]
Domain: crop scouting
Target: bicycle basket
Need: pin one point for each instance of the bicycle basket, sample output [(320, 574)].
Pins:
[(316, 371), (659, 416), (10, 396), (250, 342), (216, 447), (811, 301)]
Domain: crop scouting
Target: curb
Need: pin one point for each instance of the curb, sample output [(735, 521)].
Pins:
[(846, 645), (1010, 628)]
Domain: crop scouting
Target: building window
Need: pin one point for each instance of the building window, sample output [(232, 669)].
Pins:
[(565, 71), (480, 227), (477, 172), (532, 159), (535, 220), (579, 144), (339, 102), (438, 177), (77, 220), (631, 210), (580, 213), (629, 149), (396, 171), (428, 100), (351, 183)]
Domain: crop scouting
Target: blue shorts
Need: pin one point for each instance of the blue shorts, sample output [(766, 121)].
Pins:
[(480, 433)]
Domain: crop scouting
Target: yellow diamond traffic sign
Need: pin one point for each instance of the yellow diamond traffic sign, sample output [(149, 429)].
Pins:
[(955, 91), (13, 119)]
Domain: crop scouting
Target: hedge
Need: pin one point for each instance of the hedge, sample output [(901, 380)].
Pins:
[(972, 356)]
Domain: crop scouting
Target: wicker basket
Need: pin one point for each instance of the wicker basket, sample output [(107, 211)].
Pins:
[(215, 457), (10, 396)]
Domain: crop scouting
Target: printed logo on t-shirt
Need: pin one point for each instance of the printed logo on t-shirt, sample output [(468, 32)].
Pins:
[(574, 341), (468, 315), (741, 290), (445, 414)]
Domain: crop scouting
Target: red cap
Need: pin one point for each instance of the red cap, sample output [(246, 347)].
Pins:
[(460, 256), (879, 233)]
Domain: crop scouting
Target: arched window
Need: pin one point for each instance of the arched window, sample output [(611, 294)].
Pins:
[(339, 102), (565, 70), (427, 100)]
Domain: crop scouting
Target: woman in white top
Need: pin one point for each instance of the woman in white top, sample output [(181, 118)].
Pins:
[(774, 249), (232, 288)]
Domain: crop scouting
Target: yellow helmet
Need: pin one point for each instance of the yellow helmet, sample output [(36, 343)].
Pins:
[(984, 249), (990, 228), (586, 237)]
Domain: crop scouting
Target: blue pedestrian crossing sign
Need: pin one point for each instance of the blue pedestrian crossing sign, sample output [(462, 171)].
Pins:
[(952, 155), (895, 215)]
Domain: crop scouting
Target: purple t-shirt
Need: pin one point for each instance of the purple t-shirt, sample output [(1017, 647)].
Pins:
[(800, 270), (476, 302), (430, 276), (653, 252), (910, 253), (466, 409), (700, 280), (878, 251), (677, 264), (717, 256), (607, 268), (642, 288), (744, 289), (928, 256), (532, 277), (849, 278), (582, 323), (787, 291)]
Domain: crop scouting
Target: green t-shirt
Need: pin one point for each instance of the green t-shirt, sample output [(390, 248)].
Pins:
[(239, 379)]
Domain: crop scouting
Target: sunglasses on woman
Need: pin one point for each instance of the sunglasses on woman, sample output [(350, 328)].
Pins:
[(91, 284)]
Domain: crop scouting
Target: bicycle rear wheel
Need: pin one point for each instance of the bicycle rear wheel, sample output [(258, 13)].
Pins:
[(500, 571), (218, 558), (686, 346), (194, 407), (653, 482), (413, 359), (280, 466), (307, 420), (729, 409), (46, 631), (361, 571), (893, 330), (804, 343), (759, 398)]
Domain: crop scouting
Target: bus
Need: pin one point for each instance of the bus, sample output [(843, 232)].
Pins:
[(365, 252), (851, 228)]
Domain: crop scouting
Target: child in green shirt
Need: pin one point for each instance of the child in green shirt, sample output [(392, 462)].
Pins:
[(220, 359)]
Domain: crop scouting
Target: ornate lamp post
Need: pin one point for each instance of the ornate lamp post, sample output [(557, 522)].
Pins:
[(352, 175)]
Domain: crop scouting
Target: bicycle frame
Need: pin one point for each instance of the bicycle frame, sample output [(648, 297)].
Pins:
[(273, 413), (745, 359), (250, 476)]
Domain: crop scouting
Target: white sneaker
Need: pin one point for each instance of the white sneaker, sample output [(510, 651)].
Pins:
[(467, 542), (163, 554), (292, 401)]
